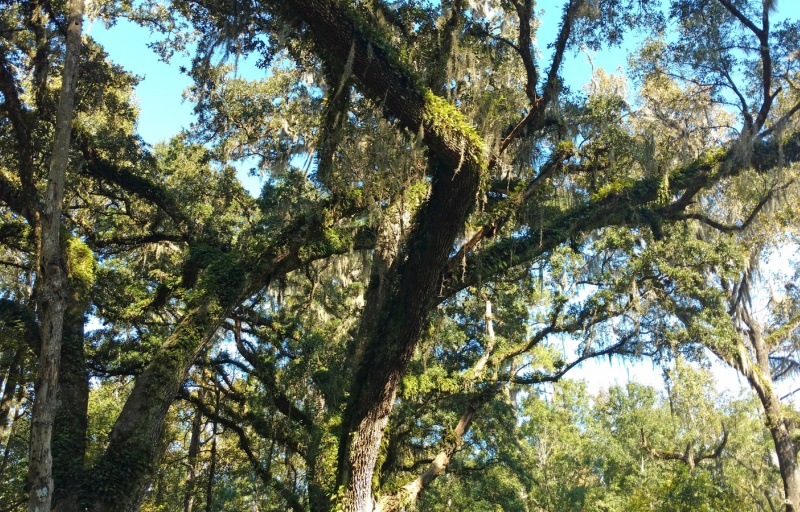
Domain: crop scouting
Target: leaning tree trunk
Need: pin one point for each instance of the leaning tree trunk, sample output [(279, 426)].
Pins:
[(191, 461), (52, 284), (760, 378), (784, 448), (403, 313), (457, 159)]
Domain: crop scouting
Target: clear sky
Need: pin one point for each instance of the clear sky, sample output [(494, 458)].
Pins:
[(159, 94), (164, 114)]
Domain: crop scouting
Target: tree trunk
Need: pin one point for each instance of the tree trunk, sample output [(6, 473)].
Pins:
[(414, 282), (128, 462), (69, 435), (759, 377), (52, 281), (784, 448), (212, 466), (456, 161), (11, 382), (194, 450)]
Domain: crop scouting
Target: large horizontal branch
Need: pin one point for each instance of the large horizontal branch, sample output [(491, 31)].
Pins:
[(633, 205)]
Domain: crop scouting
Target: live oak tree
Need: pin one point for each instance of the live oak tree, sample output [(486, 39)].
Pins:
[(440, 211)]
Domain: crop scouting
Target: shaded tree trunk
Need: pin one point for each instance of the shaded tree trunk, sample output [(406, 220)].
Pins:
[(69, 435), (760, 380), (51, 289), (194, 450), (128, 463), (402, 314), (12, 378), (212, 466)]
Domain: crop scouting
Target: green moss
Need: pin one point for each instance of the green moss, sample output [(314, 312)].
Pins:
[(454, 128), (81, 265), (683, 177), (615, 187)]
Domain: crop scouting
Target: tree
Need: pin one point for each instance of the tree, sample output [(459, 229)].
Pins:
[(465, 215)]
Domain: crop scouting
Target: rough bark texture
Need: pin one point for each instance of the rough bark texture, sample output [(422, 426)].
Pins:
[(757, 373), (760, 380), (69, 435), (456, 162), (410, 493), (52, 280), (194, 451)]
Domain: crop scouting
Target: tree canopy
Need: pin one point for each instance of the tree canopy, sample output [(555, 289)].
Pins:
[(447, 227)]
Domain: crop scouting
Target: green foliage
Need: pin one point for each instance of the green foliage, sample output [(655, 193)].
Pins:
[(621, 219), (81, 266), (574, 451)]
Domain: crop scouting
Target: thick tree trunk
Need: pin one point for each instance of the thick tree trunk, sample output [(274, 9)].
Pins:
[(52, 284), (785, 450), (414, 279), (134, 448), (760, 379), (69, 435), (456, 161)]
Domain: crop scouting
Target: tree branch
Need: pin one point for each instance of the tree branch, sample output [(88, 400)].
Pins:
[(688, 457), (410, 492), (728, 228), (244, 443)]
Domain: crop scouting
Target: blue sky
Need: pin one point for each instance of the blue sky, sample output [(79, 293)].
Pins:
[(164, 113)]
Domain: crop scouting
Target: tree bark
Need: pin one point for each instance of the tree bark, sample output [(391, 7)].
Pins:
[(414, 279), (760, 380), (194, 451), (133, 449), (759, 377), (126, 466), (52, 284), (212, 466), (457, 160), (69, 435)]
